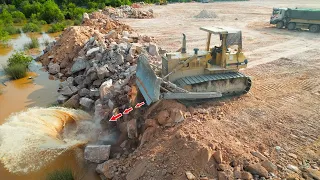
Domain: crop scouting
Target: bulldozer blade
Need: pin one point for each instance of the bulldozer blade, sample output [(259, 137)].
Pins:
[(147, 81), (192, 95)]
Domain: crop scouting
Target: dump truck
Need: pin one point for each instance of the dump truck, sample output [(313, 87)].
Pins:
[(296, 19), (198, 74)]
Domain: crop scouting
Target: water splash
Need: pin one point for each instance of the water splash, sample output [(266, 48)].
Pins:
[(32, 139)]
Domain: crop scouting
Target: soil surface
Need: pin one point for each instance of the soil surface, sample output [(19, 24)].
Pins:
[(282, 108)]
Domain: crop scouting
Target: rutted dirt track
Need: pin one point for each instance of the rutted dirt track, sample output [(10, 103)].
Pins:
[(283, 107)]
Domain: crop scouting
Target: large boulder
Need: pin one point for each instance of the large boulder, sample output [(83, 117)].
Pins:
[(163, 117), (97, 153), (86, 103), (66, 91), (54, 68), (257, 169), (73, 102), (79, 64), (84, 92), (79, 79)]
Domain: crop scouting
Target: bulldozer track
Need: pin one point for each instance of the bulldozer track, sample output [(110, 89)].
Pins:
[(190, 80)]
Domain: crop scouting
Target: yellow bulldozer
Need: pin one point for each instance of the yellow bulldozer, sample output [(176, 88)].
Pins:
[(199, 74)]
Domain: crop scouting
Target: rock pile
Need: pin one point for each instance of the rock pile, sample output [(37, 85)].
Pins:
[(206, 14), (103, 70), (126, 11)]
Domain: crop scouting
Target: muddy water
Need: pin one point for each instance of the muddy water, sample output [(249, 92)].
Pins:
[(19, 95), (41, 135)]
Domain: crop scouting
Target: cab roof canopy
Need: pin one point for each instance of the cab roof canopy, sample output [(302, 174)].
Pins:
[(220, 30)]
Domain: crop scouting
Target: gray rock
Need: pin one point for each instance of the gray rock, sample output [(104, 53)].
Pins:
[(103, 72), (94, 92), (79, 64), (74, 89), (92, 69), (93, 76), (73, 102), (86, 102), (153, 49), (54, 68), (70, 80), (61, 99), (79, 79), (120, 59), (97, 153), (84, 92), (97, 83), (63, 84), (111, 68), (66, 91), (127, 88), (98, 56), (123, 46), (87, 81), (92, 50), (133, 68)]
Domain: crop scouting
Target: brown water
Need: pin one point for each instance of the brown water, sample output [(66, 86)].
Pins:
[(19, 95), (45, 139)]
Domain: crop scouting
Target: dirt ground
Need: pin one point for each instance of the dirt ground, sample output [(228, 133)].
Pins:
[(282, 108)]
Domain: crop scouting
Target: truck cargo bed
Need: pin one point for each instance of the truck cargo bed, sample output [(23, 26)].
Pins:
[(307, 14)]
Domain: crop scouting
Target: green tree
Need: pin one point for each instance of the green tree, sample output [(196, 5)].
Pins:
[(6, 17), (18, 16), (4, 36), (51, 12), (29, 9)]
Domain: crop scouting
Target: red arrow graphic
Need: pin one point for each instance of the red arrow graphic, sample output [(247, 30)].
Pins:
[(127, 111), (139, 105), (115, 117)]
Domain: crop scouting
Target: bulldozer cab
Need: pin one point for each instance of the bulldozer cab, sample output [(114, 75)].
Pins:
[(229, 38)]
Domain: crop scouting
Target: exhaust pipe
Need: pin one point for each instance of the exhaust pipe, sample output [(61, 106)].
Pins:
[(184, 44)]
